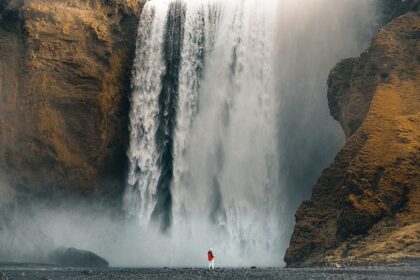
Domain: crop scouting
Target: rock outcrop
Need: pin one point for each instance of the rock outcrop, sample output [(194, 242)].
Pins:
[(73, 257), (365, 208), (65, 71)]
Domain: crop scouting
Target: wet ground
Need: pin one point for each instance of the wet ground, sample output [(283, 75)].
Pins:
[(46, 272)]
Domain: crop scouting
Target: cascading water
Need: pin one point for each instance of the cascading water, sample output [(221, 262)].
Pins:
[(203, 132), (205, 156), (144, 154), (226, 160)]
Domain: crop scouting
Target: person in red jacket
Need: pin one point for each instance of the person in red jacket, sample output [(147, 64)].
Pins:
[(210, 257)]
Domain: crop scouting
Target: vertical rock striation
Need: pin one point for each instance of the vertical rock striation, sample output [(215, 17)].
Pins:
[(65, 71), (365, 207)]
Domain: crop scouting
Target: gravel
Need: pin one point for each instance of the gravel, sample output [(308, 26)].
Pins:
[(51, 273)]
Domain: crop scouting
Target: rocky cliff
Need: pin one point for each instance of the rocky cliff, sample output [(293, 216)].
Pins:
[(64, 87), (365, 207)]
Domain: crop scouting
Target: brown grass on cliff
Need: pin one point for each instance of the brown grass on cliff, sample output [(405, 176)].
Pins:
[(67, 120), (365, 208)]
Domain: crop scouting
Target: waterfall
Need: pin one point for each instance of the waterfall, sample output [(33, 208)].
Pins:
[(225, 156), (206, 123), (203, 124), (144, 156)]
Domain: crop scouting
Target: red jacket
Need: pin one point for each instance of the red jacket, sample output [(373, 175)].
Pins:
[(210, 256)]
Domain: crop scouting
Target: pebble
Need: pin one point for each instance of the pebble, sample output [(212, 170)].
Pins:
[(3, 276), (87, 272), (221, 273)]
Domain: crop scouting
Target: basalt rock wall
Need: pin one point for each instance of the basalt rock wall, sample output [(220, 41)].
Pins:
[(365, 208), (65, 69)]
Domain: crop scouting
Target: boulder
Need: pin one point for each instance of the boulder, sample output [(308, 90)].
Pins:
[(77, 258)]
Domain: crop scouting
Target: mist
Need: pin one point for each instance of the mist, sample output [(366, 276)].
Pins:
[(32, 234), (248, 218), (313, 36)]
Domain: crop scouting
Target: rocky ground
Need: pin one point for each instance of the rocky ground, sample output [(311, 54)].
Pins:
[(223, 273)]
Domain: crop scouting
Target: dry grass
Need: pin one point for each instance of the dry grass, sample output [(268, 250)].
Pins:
[(369, 199)]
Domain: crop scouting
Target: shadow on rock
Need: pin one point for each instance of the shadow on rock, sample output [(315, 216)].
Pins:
[(77, 258)]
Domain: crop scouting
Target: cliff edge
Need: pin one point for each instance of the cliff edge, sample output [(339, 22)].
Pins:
[(65, 70), (365, 208)]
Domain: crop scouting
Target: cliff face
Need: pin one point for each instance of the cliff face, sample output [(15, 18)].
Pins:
[(64, 85), (365, 207)]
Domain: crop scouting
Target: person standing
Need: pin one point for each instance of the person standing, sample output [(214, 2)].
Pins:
[(210, 257)]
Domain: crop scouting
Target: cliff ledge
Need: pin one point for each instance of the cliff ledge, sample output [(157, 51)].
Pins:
[(64, 86), (365, 208)]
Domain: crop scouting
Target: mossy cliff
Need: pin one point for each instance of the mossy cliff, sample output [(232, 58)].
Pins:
[(365, 208), (64, 87)]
